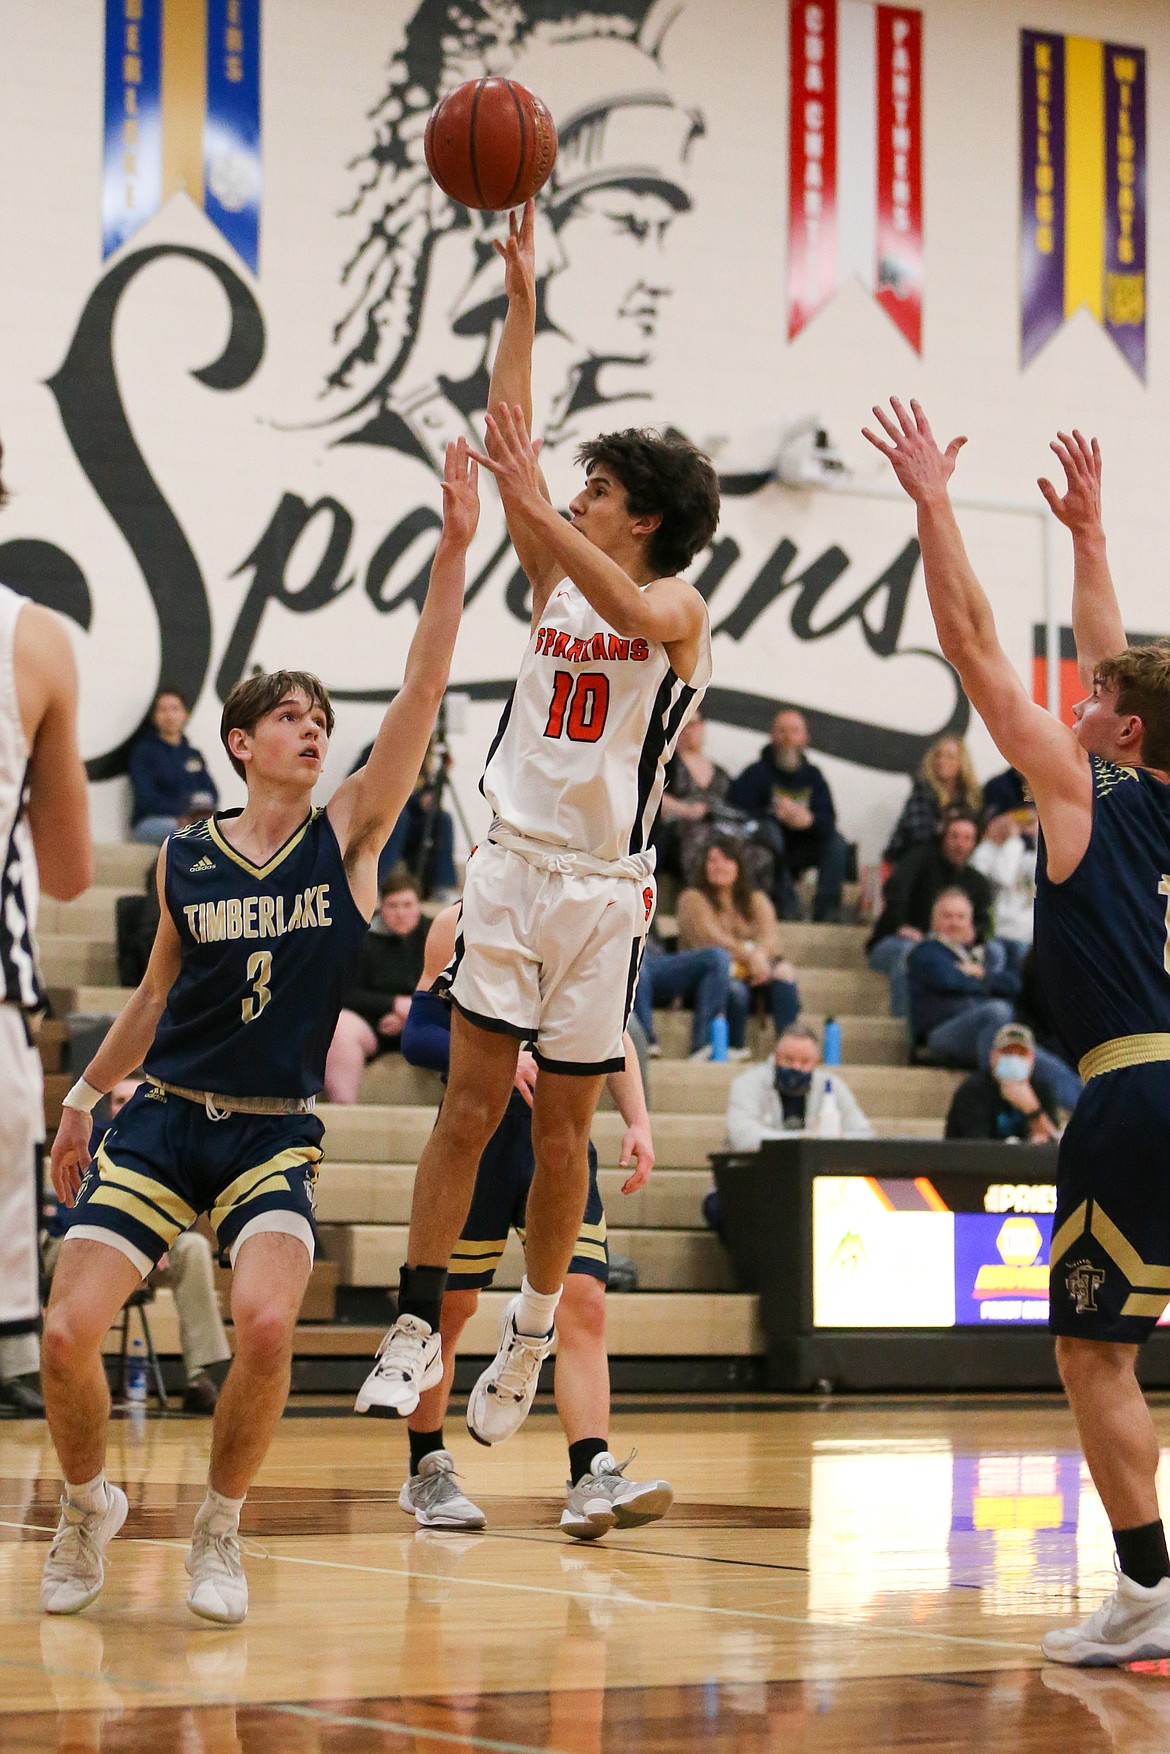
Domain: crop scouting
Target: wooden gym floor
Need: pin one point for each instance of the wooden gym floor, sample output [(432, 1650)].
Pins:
[(853, 1576)]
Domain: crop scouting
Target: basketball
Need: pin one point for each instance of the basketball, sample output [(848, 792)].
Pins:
[(491, 143)]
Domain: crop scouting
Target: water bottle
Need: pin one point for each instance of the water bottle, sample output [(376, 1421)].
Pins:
[(832, 1051), (719, 1037), (136, 1373), (829, 1119)]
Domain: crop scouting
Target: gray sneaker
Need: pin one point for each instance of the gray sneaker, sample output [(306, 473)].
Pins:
[(432, 1497), (1132, 1625), (74, 1569), (603, 1497)]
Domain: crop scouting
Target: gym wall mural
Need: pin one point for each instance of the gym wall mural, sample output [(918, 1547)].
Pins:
[(249, 321)]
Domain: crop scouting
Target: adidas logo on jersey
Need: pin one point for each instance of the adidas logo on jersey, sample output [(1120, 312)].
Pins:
[(202, 865)]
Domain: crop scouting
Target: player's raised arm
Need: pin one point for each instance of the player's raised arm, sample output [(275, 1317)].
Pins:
[(511, 382), (366, 806), (1026, 735), (1098, 629), (669, 611)]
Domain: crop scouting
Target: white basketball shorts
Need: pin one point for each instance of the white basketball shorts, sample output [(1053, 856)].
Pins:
[(550, 955), (22, 1129)]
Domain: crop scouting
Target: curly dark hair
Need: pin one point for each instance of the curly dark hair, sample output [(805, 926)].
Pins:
[(662, 473)]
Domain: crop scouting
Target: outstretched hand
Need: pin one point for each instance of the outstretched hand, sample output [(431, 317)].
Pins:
[(518, 254), (1079, 507), (513, 454), (460, 494), (913, 453)]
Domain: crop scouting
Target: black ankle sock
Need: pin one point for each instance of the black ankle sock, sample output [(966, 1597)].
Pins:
[(420, 1293), (1141, 1553), (423, 1443), (581, 1455)]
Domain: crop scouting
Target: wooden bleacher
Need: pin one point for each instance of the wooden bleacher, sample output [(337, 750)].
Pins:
[(687, 1307)]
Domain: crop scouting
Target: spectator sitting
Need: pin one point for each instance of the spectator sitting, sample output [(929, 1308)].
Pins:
[(796, 820), (169, 781), (1006, 791), (784, 1095), (694, 805), (407, 844), (946, 781), (1007, 858), (700, 978), (187, 1268), (1010, 1099), (909, 896), (376, 1006), (725, 911), (960, 991)]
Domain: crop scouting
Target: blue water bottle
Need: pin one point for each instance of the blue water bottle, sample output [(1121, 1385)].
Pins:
[(719, 1037), (136, 1373), (832, 1050)]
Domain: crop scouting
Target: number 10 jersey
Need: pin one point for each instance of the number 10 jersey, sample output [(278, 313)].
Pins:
[(579, 759)]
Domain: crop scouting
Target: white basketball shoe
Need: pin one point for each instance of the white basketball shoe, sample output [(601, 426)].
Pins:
[(433, 1498), (219, 1589), (74, 1568), (501, 1398), (409, 1361), (603, 1497), (1131, 1626)]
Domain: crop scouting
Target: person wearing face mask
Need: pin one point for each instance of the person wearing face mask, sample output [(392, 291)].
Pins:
[(785, 1095), (1011, 1099)]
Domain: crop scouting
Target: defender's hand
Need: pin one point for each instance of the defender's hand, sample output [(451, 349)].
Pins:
[(70, 1156), (922, 469), (1079, 507), (512, 456), (638, 1149), (460, 495)]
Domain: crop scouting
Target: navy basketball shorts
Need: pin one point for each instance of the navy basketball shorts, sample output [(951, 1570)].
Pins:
[(1110, 1255), (164, 1161), (498, 1205)]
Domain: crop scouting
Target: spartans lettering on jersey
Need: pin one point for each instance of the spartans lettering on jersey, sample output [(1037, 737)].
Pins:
[(598, 648), (257, 916)]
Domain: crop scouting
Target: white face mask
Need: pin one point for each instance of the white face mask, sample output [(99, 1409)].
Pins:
[(1012, 1068)]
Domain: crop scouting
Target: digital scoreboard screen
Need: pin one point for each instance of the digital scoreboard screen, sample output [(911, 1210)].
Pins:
[(938, 1252)]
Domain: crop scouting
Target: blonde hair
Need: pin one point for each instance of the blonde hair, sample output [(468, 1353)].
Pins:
[(970, 792), (1141, 676)]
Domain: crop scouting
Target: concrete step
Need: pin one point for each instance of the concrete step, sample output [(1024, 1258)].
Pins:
[(89, 916), (667, 1260), (838, 992), (679, 1087), (397, 1135), (872, 1041), (377, 1193)]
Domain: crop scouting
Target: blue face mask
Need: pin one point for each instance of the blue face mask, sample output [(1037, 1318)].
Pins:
[(791, 1081), (1013, 1068)]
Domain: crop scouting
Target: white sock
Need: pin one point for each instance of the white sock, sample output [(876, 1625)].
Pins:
[(221, 1508), (535, 1311), (91, 1495)]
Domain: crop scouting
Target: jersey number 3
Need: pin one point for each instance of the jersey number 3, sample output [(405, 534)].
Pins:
[(586, 698), (259, 973)]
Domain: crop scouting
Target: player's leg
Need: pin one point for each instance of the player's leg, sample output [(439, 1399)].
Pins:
[(91, 1282), (354, 1042), (270, 1272), (431, 1493), (1116, 1431), (483, 1066)]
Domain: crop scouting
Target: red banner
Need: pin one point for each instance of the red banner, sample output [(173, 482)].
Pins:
[(812, 159), (899, 275)]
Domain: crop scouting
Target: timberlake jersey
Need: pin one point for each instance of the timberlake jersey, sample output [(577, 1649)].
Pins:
[(268, 953), (1103, 935), (579, 759)]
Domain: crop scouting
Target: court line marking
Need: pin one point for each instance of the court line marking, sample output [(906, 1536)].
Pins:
[(343, 1719)]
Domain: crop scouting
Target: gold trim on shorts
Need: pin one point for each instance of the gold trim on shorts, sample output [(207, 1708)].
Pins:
[(1122, 1051)]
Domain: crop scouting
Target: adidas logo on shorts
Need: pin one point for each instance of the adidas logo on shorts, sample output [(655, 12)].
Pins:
[(203, 865)]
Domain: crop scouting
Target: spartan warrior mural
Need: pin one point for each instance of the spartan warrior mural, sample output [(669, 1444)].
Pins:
[(423, 287)]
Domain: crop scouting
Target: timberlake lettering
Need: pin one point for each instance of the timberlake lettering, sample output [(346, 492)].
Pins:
[(257, 916), (595, 648)]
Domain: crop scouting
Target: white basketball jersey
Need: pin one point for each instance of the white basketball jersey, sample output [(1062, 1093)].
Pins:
[(19, 980), (579, 760)]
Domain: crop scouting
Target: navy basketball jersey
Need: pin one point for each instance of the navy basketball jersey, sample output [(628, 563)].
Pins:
[(268, 954), (1103, 935)]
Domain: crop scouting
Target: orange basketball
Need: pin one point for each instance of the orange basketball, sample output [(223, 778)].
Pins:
[(491, 143)]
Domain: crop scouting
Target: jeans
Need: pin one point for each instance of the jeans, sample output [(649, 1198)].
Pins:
[(783, 1002), (151, 831), (966, 1040), (888, 957), (795, 851), (700, 978), (405, 846), (1061, 1079)]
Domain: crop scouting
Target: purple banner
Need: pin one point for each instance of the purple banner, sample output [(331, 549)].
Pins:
[(1125, 202), (1042, 193)]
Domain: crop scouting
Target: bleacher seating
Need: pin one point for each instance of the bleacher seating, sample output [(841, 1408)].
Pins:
[(687, 1305)]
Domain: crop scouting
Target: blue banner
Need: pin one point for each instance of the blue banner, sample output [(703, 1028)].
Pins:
[(231, 133), (132, 161)]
